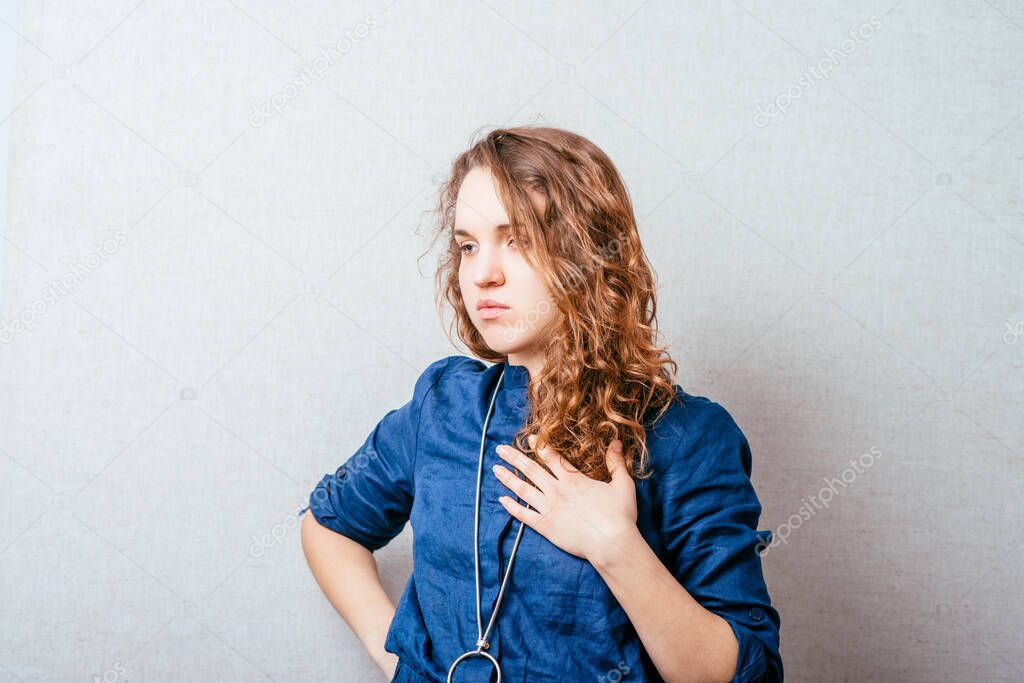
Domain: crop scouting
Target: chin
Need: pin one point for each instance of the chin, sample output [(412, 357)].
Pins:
[(498, 345), (497, 341)]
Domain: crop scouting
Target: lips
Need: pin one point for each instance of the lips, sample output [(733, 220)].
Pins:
[(490, 309)]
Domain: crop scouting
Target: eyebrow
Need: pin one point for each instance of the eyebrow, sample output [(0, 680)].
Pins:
[(459, 232)]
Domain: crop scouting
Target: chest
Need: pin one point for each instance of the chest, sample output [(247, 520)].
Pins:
[(557, 587)]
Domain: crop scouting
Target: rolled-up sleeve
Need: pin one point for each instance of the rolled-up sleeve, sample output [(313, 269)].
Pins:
[(369, 497), (710, 513)]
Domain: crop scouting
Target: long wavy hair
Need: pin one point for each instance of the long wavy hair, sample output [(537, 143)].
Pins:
[(565, 198)]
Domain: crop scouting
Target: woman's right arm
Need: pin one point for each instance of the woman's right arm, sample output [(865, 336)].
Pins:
[(359, 509), (347, 574)]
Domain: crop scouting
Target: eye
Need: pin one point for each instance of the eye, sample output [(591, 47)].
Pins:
[(462, 247)]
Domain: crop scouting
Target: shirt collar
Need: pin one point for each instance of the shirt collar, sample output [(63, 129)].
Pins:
[(516, 376)]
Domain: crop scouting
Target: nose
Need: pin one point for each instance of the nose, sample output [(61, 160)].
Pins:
[(487, 269)]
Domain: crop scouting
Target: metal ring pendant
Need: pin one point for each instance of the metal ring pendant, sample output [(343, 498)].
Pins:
[(472, 653)]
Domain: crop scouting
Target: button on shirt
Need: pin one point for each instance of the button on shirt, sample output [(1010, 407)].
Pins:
[(558, 620)]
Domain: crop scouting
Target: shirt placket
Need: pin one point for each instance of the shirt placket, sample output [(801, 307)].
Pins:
[(495, 522)]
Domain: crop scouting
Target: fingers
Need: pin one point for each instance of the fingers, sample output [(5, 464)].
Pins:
[(616, 460), (527, 516), (524, 490), (537, 474), (551, 457)]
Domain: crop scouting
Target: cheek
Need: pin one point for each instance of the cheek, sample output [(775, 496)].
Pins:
[(539, 297), (535, 302), (531, 288)]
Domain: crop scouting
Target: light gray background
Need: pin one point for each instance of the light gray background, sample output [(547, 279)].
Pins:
[(844, 278)]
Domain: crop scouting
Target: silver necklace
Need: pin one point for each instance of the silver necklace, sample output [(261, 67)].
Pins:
[(481, 641)]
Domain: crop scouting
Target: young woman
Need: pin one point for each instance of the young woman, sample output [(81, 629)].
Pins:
[(576, 515)]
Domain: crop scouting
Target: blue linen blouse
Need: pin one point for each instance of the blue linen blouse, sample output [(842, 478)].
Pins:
[(558, 620)]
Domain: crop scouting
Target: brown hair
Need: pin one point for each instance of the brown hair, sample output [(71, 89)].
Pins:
[(566, 200)]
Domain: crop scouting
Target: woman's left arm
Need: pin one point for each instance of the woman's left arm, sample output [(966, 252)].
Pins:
[(701, 608), (685, 641)]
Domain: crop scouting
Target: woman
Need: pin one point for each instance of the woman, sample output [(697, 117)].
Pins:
[(627, 501)]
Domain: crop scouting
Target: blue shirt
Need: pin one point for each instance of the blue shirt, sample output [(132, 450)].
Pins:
[(558, 620)]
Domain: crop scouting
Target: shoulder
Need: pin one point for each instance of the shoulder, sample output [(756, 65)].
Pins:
[(430, 376), (465, 367), (450, 372), (698, 434)]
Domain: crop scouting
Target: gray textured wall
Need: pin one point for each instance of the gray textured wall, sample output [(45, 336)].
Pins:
[(222, 302)]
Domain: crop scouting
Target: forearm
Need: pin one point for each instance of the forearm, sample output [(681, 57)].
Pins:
[(686, 642), (347, 574)]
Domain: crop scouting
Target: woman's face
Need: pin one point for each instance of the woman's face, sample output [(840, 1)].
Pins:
[(492, 268)]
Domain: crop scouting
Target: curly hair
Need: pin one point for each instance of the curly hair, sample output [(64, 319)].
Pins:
[(565, 198)]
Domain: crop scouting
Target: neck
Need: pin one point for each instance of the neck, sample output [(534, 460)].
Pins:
[(533, 362)]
